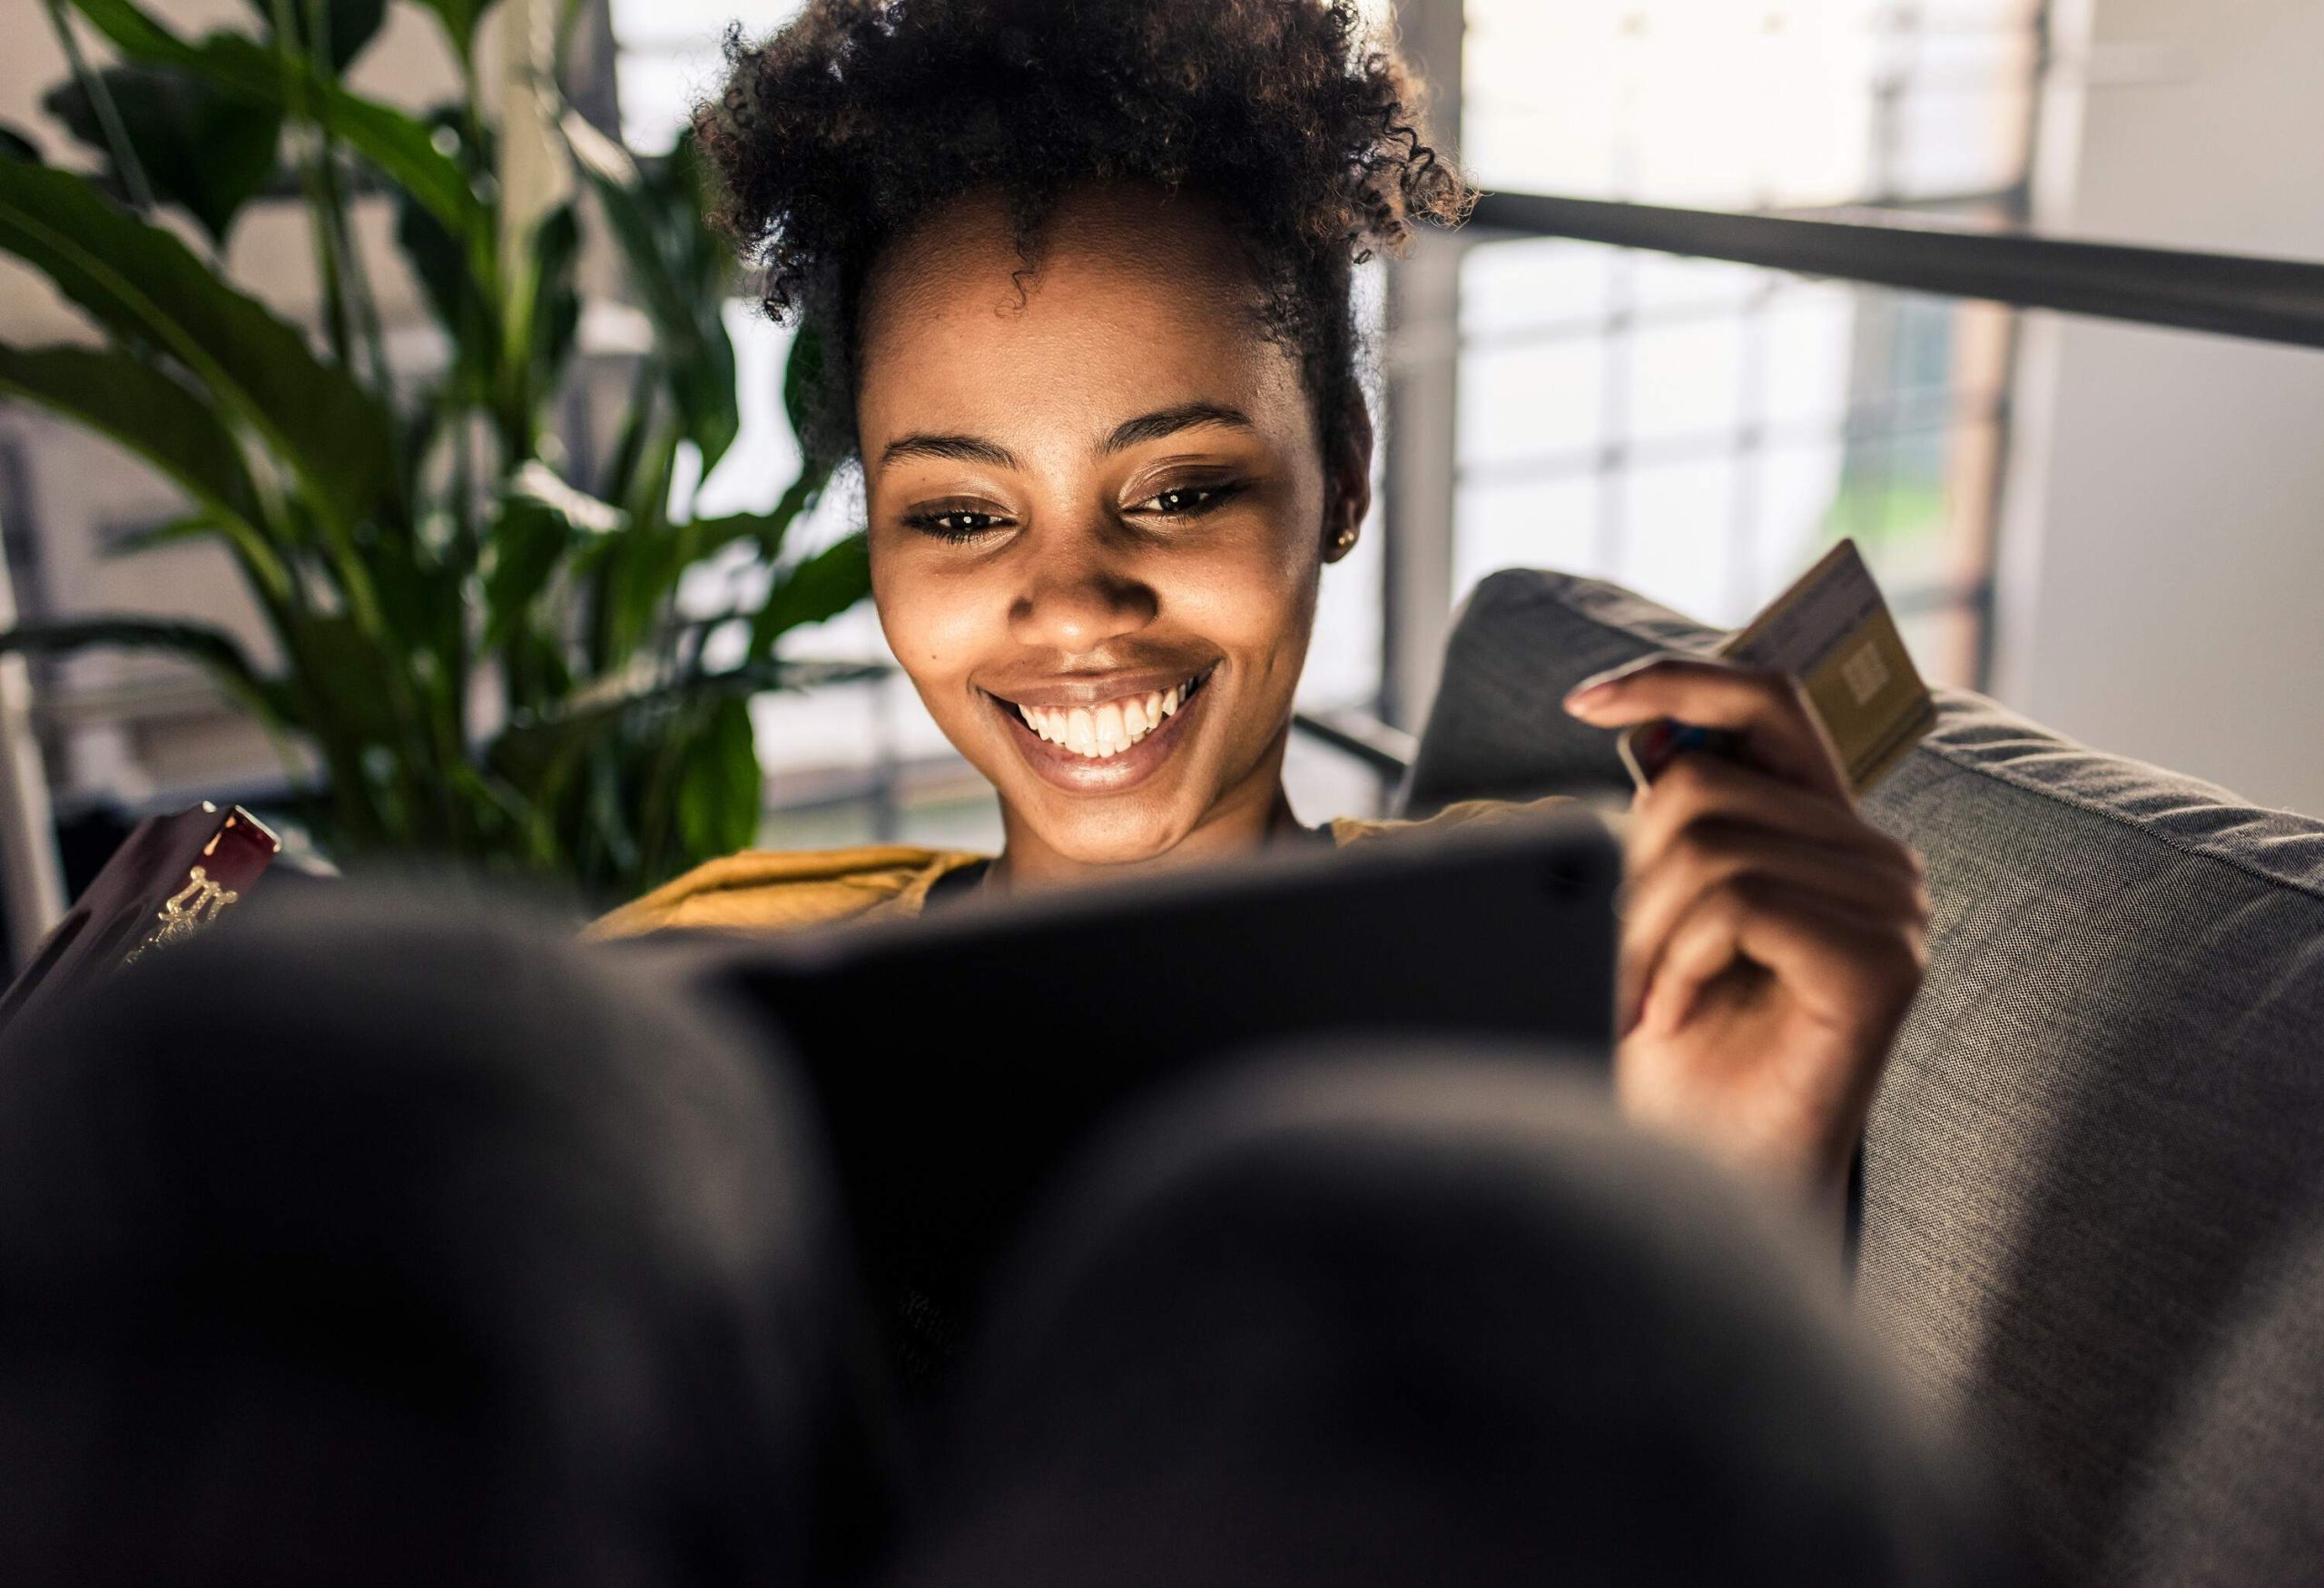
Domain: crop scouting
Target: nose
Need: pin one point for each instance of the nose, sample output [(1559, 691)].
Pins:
[(1077, 596)]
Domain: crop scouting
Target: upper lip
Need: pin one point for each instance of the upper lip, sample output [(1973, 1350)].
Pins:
[(1087, 689)]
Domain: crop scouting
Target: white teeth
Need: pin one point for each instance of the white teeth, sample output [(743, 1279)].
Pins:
[(1108, 729)]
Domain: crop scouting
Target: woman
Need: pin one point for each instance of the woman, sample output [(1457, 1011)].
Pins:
[(1084, 273)]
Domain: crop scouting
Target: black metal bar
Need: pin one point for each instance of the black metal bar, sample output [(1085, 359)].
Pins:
[(1386, 750), (2265, 299)]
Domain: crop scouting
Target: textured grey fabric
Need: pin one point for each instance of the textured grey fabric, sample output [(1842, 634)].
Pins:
[(2238, 1495), (2101, 1121)]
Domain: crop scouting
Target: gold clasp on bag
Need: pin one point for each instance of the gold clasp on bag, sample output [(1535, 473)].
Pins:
[(187, 911)]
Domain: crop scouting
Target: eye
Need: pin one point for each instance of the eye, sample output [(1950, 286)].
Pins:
[(1186, 501), (956, 524)]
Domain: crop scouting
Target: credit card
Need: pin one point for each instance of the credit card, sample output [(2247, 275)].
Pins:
[(1833, 632)]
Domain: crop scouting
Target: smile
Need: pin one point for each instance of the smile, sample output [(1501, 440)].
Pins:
[(1103, 730), (1095, 736)]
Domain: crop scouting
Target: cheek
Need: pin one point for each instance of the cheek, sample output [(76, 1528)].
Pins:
[(935, 623), (1258, 603)]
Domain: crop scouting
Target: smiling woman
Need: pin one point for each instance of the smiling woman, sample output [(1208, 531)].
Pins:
[(1085, 279), (1095, 351)]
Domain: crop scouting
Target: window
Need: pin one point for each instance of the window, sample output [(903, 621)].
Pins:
[(1699, 430), (666, 57)]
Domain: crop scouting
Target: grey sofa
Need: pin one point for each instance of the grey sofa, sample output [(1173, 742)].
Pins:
[(2094, 1176)]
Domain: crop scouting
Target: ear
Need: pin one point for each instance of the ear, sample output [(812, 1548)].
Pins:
[(1348, 479)]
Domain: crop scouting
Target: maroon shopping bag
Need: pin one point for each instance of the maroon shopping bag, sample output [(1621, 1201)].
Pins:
[(172, 877)]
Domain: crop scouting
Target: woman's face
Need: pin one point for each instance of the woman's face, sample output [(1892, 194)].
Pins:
[(1097, 509)]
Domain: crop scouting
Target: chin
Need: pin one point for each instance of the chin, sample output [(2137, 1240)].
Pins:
[(1110, 837)]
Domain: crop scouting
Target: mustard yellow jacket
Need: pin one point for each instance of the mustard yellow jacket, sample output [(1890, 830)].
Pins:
[(775, 891)]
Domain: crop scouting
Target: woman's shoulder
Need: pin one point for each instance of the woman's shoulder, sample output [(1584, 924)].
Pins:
[(761, 890), (1348, 830)]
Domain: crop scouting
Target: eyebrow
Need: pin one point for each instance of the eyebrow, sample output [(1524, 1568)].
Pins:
[(1147, 427), (1169, 421)]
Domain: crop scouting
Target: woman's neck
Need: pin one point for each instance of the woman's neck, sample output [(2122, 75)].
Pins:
[(1245, 822)]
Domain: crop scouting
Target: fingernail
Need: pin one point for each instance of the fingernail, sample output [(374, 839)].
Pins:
[(1602, 683), (1589, 695)]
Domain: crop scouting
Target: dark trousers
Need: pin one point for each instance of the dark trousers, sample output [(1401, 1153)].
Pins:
[(387, 1241)]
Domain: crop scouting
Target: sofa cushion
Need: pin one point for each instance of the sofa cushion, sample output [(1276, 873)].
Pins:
[(2108, 1105), (2237, 1491)]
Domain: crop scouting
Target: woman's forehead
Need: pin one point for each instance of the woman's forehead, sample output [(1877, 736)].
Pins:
[(1124, 290)]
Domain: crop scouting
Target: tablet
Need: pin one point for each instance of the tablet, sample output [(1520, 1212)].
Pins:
[(961, 1058)]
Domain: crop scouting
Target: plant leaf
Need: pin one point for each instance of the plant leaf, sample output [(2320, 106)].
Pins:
[(404, 150), (539, 481), (400, 146), (579, 724), (556, 300), (530, 538), (142, 408), (143, 283), (803, 396), (345, 667), (823, 586), (137, 35), (213, 649), (349, 25), (206, 152), (678, 270), (446, 265), (459, 18), (707, 537), (139, 407), (157, 537), (720, 789)]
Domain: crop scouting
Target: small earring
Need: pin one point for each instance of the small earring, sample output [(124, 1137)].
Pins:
[(1344, 542)]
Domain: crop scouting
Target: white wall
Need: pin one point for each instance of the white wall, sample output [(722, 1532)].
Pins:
[(2165, 557)]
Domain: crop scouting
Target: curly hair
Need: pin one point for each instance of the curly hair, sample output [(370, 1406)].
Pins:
[(862, 117)]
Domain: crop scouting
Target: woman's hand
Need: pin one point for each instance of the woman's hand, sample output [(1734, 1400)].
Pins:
[(1771, 939)]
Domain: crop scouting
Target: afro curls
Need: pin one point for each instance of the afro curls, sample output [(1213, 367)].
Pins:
[(861, 117)]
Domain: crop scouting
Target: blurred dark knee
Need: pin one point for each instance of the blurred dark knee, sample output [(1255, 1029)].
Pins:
[(389, 1238), (1420, 1316)]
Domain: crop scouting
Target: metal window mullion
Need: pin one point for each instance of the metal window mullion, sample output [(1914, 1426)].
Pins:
[(1420, 393), (32, 878), (2017, 208)]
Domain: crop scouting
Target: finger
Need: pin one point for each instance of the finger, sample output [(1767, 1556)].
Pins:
[(1860, 971), (1706, 942), (1697, 789), (1854, 969), (1708, 856), (1778, 731)]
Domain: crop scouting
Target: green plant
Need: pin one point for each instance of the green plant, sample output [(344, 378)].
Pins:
[(482, 659)]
